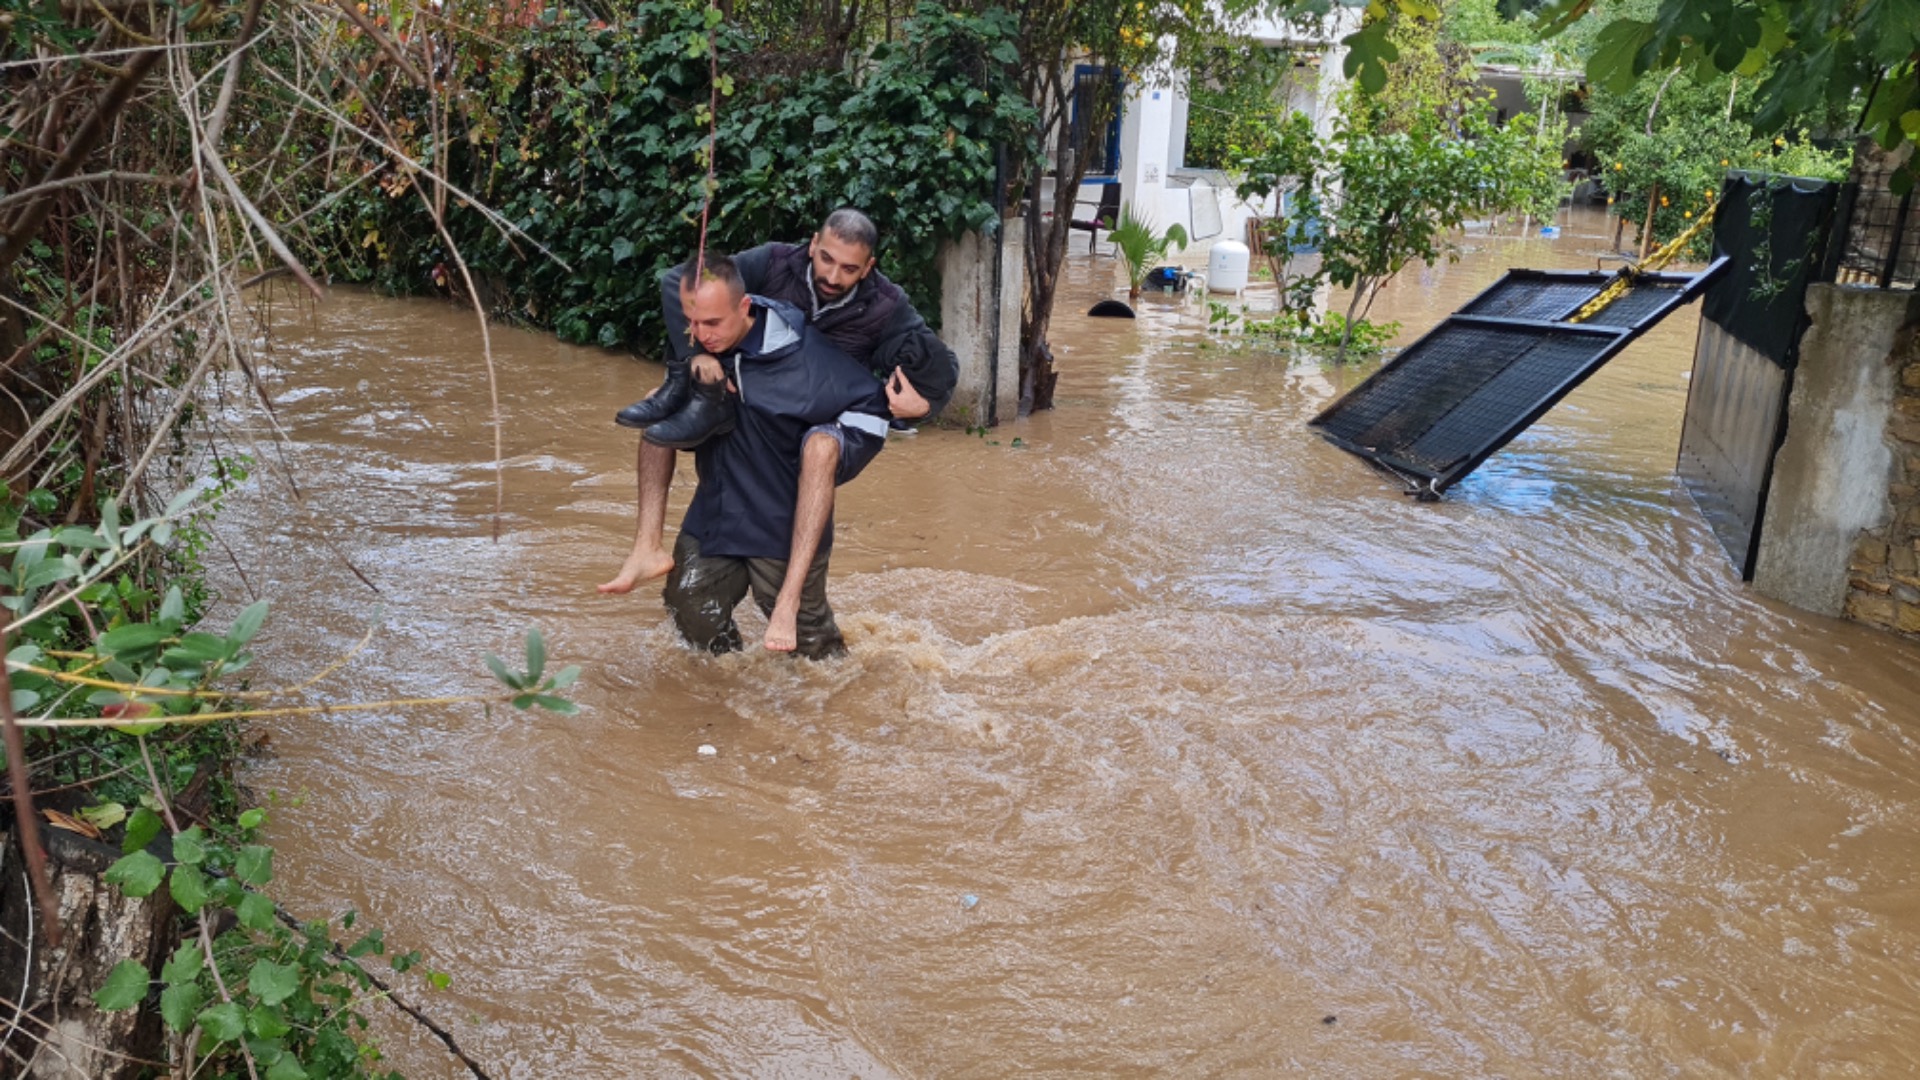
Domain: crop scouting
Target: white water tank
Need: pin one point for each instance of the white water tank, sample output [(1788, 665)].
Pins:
[(1227, 267)]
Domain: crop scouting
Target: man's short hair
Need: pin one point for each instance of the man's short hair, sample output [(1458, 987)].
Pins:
[(854, 227), (712, 267)]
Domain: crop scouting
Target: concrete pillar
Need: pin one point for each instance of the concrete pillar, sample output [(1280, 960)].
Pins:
[(982, 325), (1177, 121), (1839, 536), (1146, 131)]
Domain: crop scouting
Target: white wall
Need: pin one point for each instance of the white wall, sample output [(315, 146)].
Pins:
[(1146, 133)]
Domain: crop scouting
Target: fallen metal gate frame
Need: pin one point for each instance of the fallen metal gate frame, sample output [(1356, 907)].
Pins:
[(1471, 384)]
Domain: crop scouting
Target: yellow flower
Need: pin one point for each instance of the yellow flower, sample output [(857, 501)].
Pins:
[(1723, 162), (1777, 141), (1617, 166), (1688, 214), (1663, 200)]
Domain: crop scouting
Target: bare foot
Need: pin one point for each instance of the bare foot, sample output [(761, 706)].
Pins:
[(641, 565), (783, 633)]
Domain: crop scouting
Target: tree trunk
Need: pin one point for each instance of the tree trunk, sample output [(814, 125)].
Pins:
[(62, 1033), (1047, 237)]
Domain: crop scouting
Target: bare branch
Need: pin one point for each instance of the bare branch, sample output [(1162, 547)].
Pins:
[(385, 43), (95, 178)]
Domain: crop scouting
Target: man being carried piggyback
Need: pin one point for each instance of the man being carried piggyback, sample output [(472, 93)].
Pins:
[(832, 279), (739, 528)]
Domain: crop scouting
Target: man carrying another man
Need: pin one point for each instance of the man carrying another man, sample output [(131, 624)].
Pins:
[(857, 309), (739, 528)]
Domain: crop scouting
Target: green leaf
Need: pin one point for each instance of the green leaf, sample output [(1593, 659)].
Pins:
[(268, 1021), (287, 1068), (253, 819), (110, 521), (46, 573), (178, 1004), (142, 827), (128, 640), (185, 965), (622, 250), (374, 941), (255, 864), (439, 980), (126, 986), (104, 815), (190, 846), (1615, 51), (24, 700), (197, 650), (565, 677), (256, 912), (137, 874), (223, 1022), (555, 704), (74, 536), (179, 503), (500, 672), (273, 983), (536, 656), (248, 624), (24, 654), (189, 888), (173, 609)]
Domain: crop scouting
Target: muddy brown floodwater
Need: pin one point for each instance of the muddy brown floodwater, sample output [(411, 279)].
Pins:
[(1174, 742)]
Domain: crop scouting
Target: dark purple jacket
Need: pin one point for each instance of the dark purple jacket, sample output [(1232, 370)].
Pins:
[(877, 325)]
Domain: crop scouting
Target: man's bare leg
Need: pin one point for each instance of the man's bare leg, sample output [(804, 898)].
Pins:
[(649, 559), (819, 466)]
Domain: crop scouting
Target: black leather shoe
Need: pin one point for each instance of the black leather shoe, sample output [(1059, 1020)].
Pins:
[(662, 403), (709, 412)]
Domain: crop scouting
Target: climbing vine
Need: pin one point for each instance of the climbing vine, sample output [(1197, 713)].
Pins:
[(590, 137)]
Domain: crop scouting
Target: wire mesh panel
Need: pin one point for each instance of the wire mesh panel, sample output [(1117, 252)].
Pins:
[(1641, 301), (1552, 364), (1517, 297), (1458, 389), (1879, 242)]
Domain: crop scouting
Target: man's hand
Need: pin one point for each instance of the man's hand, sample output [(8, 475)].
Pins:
[(903, 400), (706, 369)]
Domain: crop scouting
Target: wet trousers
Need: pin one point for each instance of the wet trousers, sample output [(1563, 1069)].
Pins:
[(702, 592)]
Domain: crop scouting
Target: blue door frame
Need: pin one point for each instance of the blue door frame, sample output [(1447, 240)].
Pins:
[(1103, 164)]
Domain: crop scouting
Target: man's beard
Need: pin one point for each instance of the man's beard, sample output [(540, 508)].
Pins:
[(822, 291)]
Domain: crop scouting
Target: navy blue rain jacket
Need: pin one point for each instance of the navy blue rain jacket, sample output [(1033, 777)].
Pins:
[(790, 377), (877, 325)]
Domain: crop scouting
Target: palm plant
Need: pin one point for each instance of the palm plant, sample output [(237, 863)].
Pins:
[(1140, 248)]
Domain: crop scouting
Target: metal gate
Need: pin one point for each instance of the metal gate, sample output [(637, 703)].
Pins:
[(1471, 384)]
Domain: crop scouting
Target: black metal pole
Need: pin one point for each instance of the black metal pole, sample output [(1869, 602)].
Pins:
[(1893, 242)]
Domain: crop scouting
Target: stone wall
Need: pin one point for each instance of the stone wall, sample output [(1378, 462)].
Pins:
[(1842, 529), (1883, 581)]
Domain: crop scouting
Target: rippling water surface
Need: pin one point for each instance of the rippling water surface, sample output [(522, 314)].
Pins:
[(1174, 742)]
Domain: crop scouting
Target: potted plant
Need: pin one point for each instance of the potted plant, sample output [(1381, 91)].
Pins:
[(1140, 248)]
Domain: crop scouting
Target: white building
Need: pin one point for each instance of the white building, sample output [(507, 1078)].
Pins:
[(1151, 138)]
